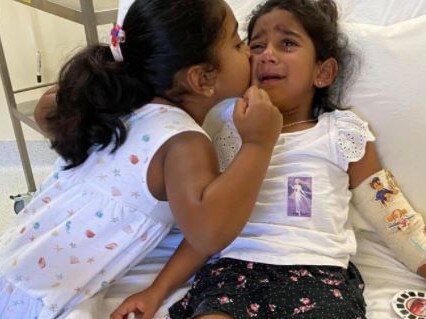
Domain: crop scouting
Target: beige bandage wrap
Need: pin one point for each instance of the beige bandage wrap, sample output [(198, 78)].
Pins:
[(380, 201)]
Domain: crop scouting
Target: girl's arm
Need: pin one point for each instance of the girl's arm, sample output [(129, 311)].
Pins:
[(181, 266), (209, 207), (44, 107), (368, 165), (407, 240)]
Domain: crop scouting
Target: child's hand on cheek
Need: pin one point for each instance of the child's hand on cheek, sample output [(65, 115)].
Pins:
[(258, 121)]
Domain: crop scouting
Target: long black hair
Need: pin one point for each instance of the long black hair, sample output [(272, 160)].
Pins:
[(161, 38), (320, 20)]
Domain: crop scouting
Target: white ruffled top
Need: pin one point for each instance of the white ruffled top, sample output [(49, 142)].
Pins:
[(301, 214)]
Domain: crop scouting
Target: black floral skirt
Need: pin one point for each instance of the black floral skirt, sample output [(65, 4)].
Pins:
[(244, 289)]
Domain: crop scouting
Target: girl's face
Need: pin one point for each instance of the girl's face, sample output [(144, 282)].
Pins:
[(284, 61), (233, 76)]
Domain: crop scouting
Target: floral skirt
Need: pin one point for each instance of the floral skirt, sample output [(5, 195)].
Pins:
[(245, 289)]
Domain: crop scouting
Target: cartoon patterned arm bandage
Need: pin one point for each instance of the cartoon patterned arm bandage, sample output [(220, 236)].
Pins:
[(380, 201)]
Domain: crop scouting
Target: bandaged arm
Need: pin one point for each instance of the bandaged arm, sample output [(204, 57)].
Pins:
[(380, 201)]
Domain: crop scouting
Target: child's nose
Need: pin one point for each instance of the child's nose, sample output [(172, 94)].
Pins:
[(269, 54)]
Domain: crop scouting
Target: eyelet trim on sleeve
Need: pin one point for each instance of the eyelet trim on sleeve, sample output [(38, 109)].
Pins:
[(352, 137), (227, 143)]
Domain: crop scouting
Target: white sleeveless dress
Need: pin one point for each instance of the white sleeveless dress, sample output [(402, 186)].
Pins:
[(88, 225)]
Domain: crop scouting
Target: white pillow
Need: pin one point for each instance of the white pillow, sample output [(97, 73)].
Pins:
[(390, 93), (380, 12)]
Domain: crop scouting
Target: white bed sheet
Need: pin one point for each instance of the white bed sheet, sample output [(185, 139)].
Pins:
[(384, 276), (140, 277), (391, 96)]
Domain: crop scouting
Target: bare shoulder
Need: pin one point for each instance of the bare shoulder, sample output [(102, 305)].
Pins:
[(183, 159), (190, 148)]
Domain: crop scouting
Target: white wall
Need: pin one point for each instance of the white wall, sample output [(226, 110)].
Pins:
[(23, 31)]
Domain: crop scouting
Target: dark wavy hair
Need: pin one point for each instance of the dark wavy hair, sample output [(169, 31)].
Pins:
[(95, 92), (320, 20)]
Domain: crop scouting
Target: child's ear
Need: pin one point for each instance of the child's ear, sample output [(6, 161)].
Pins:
[(327, 71), (202, 79)]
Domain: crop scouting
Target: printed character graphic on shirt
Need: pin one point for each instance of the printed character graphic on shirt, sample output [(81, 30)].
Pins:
[(299, 201), (384, 194)]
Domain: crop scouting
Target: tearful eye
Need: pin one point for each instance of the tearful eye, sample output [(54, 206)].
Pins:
[(256, 48), (289, 45)]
